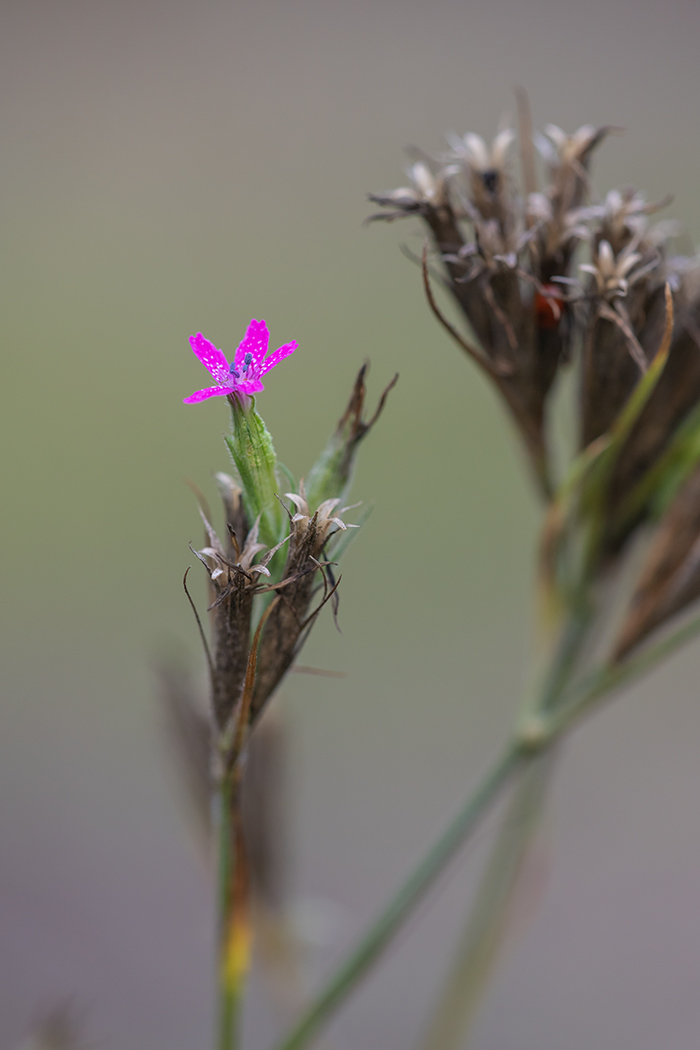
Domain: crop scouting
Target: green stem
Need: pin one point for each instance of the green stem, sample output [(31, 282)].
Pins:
[(602, 682), (553, 683), (229, 994), (557, 707), (389, 922), (487, 919), (567, 653)]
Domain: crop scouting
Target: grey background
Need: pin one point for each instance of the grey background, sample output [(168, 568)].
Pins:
[(174, 167)]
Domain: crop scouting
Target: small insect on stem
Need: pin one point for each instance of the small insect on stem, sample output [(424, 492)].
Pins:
[(548, 304)]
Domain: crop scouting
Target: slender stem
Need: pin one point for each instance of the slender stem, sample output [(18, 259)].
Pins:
[(558, 707), (234, 933), (571, 640), (487, 916), (389, 922), (604, 680), (487, 919)]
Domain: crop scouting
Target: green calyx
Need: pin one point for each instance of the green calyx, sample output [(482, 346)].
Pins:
[(254, 456)]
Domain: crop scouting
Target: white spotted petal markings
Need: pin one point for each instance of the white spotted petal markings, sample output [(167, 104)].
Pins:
[(244, 374)]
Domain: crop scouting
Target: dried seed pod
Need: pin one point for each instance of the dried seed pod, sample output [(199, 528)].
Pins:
[(625, 315), (232, 577), (618, 345), (670, 579), (678, 391), (290, 619)]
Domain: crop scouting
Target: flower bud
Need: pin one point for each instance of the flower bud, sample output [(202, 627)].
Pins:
[(331, 475)]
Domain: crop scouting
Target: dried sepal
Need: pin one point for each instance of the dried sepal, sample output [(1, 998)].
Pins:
[(670, 578)]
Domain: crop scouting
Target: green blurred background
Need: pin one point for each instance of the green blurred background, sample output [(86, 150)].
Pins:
[(174, 167)]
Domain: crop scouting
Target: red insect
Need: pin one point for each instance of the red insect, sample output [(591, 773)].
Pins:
[(548, 305)]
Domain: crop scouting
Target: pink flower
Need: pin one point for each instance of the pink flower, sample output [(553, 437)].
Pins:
[(244, 376)]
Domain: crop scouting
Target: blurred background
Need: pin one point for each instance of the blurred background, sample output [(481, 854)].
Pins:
[(174, 167)]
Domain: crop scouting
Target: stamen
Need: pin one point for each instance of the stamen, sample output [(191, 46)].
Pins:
[(234, 371), (246, 361)]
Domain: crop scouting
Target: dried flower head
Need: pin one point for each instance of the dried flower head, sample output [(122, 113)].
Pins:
[(501, 251), (232, 579), (509, 260), (290, 619)]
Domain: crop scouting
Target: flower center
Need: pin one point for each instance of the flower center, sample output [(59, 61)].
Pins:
[(244, 367)]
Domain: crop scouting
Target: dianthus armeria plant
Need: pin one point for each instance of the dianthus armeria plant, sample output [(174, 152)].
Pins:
[(542, 276), (539, 275), (270, 572)]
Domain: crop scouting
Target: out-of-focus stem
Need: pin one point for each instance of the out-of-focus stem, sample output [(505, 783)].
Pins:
[(488, 917), (556, 708), (518, 755), (389, 922), (603, 681)]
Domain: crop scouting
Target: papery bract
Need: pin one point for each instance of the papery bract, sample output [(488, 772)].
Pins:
[(244, 375)]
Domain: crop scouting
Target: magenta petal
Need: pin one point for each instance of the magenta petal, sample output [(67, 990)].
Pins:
[(277, 356), (255, 342), (250, 386), (211, 391), (214, 360)]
